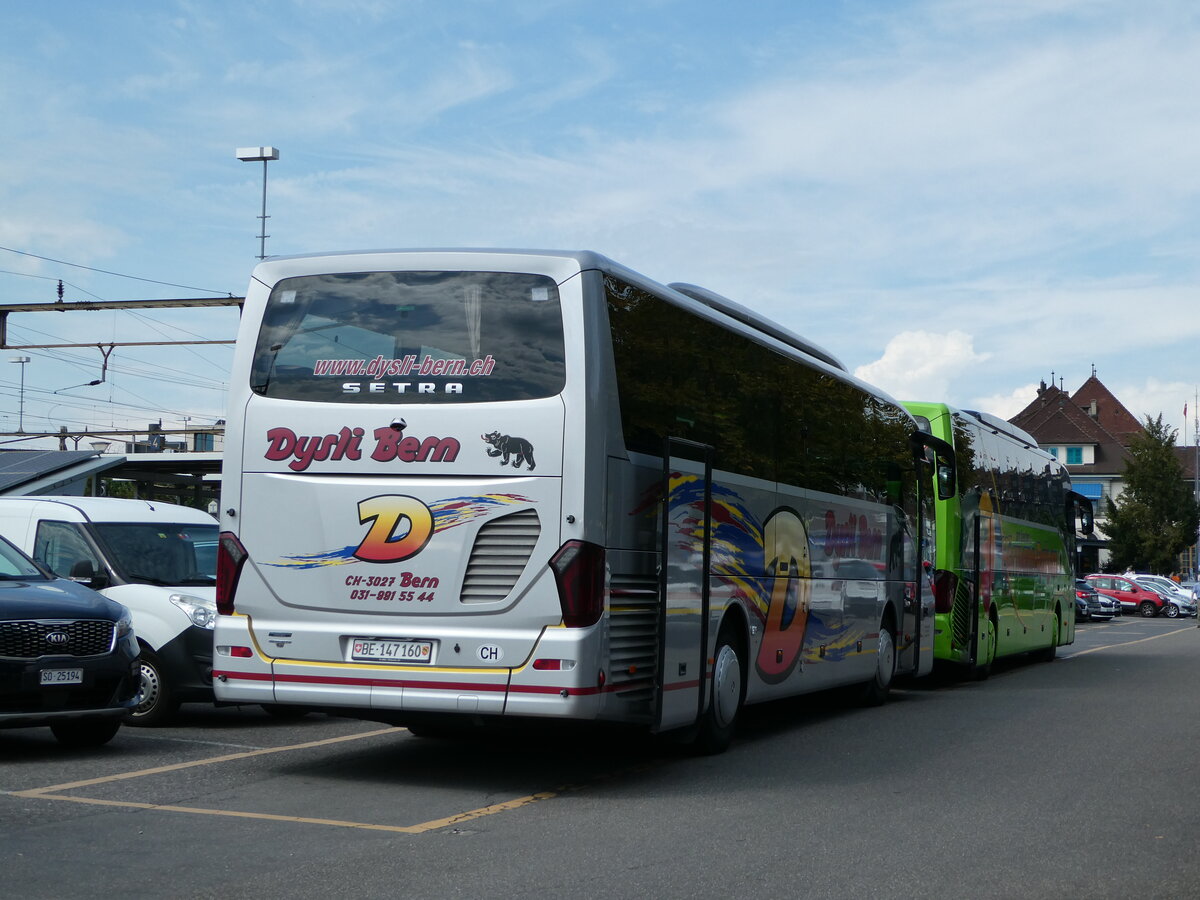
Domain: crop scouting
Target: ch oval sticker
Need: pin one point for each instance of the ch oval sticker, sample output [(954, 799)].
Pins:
[(489, 653)]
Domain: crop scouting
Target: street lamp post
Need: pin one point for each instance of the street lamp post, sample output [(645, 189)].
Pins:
[(257, 154), (21, 360)]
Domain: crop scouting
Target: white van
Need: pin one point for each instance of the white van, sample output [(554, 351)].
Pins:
[(158, 559)]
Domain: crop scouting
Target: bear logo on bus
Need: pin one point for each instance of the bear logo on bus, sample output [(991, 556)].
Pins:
[(519, 449)]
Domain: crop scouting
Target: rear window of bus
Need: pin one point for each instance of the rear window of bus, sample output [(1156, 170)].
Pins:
[(411, 337)]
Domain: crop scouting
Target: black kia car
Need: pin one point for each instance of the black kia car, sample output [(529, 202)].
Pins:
[(68, 656)]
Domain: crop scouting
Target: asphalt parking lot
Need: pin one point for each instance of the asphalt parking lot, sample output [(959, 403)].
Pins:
[(226, 800)]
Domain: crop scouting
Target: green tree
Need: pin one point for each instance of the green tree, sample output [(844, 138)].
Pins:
[(1156, 517)]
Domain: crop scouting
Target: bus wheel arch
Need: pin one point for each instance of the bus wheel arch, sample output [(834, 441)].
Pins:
[(728, 686), (1046, 654), (875, 691), (987, 648)]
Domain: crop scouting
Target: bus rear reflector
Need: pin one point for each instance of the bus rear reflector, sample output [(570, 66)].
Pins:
[(231, 556), (579, 573), (945, 585)]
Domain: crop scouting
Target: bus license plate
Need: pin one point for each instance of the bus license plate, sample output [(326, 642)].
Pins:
[(62, 676), (412, 652)]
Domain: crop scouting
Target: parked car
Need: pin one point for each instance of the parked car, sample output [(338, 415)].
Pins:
[(1091, 604), (68, 656), (1132, 596), (1180, 606), (1171, 588), (158, 559), (1179, 603)]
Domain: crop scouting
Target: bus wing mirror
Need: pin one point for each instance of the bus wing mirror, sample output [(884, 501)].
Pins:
[(941, 455), (1079, 509)]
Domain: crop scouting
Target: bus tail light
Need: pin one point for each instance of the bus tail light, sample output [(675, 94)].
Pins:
[(231, 556), (554, 665), (579, 573), (945, 586)]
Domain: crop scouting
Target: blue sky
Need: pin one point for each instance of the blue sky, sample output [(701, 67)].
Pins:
[(955, 197)]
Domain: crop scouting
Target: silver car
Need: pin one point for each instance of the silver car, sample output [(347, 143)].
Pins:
[(1178, 602)]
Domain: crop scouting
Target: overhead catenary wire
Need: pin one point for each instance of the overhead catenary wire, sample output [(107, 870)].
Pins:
[(63, 262), (121, 402)]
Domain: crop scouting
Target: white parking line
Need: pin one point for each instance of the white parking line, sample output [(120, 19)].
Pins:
[(130, 732), (1153, 637)]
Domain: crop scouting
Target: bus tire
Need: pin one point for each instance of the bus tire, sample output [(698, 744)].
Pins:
[(156, 702), (982, 670), (727, 694), (1047, 654), (875, 692)]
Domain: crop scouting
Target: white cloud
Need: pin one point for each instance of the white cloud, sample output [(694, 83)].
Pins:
[(1007, 405), (920, 365), (1154, 397)]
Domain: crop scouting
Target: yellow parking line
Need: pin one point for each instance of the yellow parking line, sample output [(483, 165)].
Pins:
[(1153, 637), (479, 813), (304, 820), (105, 779), (53, 792)]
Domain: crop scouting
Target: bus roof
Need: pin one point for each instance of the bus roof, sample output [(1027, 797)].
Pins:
[(755, 320), (589, 259)]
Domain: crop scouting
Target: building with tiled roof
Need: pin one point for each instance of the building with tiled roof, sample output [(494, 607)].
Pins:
[(1090, 431)]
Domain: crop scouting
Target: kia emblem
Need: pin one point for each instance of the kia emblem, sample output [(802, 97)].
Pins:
[(57, 637)]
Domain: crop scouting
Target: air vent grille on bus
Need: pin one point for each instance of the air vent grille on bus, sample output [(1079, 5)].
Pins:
[(960, 613), (502, 549), (633, 635)]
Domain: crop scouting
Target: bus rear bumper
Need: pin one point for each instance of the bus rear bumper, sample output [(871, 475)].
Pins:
[(387, 688), (577, 692)]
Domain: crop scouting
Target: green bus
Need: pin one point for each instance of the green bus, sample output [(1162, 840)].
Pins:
[(1004, 566)]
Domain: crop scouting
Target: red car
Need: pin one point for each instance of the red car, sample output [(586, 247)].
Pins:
[(1131, 595)]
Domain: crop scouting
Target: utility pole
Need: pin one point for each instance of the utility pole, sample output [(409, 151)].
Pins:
[(21, 361), (265, 155)]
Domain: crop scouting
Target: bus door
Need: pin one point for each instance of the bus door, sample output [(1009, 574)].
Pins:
[(975, 557), (683, 612), (983, 574), (936, 456)]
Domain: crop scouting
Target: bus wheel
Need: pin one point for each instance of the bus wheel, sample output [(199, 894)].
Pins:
[(987, 649), (155, 701), (1046, 654), (875, 691), (728, 691)]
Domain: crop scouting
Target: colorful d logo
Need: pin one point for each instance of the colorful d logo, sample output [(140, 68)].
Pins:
[(400, 527)]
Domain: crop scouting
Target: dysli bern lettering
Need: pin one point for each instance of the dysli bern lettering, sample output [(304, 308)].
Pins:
[(391, 445)]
